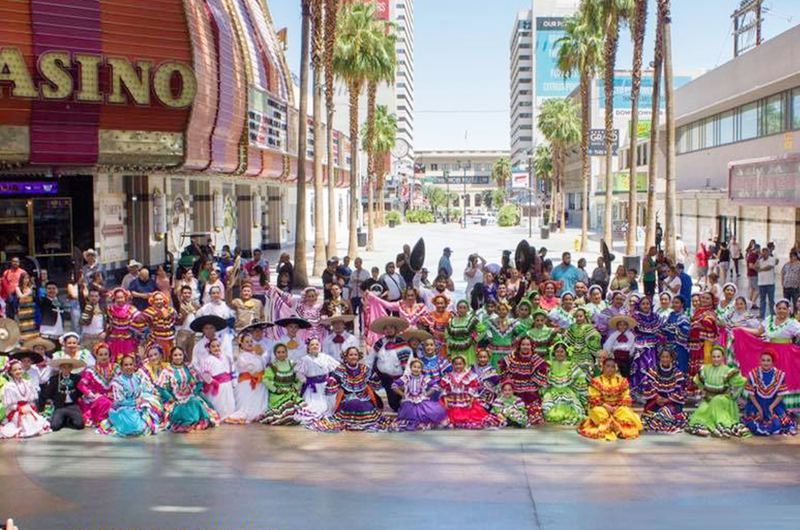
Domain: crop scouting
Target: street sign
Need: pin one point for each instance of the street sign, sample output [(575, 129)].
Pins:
[(597, 142)]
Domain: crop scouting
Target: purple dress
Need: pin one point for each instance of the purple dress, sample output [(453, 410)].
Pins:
[(647, 330), (417, 410)]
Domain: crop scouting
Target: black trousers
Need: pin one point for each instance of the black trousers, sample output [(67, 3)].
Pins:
[(69, 416), (391, 395)]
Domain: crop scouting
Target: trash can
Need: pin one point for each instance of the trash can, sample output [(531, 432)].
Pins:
[(362, 239), (392, 223), (545, 233), (484, 221)]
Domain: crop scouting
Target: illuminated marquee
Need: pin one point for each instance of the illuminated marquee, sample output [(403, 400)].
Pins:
[(125, 80)]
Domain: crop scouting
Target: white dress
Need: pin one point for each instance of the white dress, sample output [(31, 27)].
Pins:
[(251, 395), (17, 424), (315, 370), (223, 401), (336, 349)]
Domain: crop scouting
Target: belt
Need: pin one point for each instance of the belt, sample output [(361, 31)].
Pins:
[(312, 382), (254, 379), (213, 387)]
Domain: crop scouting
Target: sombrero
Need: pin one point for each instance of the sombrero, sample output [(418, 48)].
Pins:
[(9, 334), (39, 341), (379, 324), (257, 324), (23, 354), (200, 322), (301, 322), (328, 321), (616, 319), (414, 333), (73, 362)]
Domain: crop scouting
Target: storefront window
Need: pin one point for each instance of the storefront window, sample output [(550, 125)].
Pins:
[(52, 224), (773, 114), (796, 108), (726, 128), (749, 121), (694, 140), (13, 228)]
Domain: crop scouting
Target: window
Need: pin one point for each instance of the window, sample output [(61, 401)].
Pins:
[(725, 128), (694, 138), (773, 114), (682, 139), (748, 121), (445, 167), (478, 200), (708, 133), (795, 104), (466, 201), (434, 167)]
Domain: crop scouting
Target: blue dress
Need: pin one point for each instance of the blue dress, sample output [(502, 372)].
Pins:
[(767, 386), (676, 334), (136, 411)]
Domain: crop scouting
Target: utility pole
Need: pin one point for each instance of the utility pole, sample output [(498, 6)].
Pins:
[(464, 201), (447, 197)]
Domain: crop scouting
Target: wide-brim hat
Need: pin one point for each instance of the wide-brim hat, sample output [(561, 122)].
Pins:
[(48, 345), (22, 354), (9, 334), (71, 361), (302, 323), (329, 321), (256, 325), (616, 319), (200, 322), (379, 324), (414, 333)]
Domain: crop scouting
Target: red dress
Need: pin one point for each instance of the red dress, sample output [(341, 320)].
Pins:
[(460, 392), (527, 374), (703, 331)]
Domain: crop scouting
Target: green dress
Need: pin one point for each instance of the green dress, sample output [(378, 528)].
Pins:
[(284, 393), (564, 398), (584, 342), (499, 341), (513, 409), (523, 325), (458, 333), (718, 413), (542, 339)]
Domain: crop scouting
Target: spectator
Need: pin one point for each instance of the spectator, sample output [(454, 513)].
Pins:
[(751, 258), (584, 276), (600, 274), (701, 260), (766, 281), (257, 261), (9, 282), (566, 273), (620, 282), (686, 285), (724, 262), (285, 267), (672, 284), (359, 276), (444, 262), (51, 310), (141, 288), (403, 262), (91, 267), (649, 273), (633, 284), (473, 274), (393, 283), (736, 256), (330, 277), (681, 254), (133, 272), (163, 281), (790, 278), (344, 271)]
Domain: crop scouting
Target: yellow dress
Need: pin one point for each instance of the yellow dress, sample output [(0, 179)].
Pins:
[(623, 422)]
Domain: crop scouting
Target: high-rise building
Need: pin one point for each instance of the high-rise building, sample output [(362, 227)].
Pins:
[(534, 76), (521, 75)]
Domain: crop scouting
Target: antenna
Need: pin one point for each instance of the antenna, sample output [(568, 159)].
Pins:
[(747, 26)]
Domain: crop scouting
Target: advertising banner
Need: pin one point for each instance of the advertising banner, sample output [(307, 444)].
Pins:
[(597, 142), (112, 229), (772, 181), (550, 82), (519, 178), (622, 93), (620, 180)]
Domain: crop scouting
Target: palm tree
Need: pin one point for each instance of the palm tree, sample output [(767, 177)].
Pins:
[(638, 24), (381, 69), (356, 42), (652, 168), (559, 123), (384, 134), (609, 15), (543, 169), (316, 64), (331, 12), (300, 268), (669, 221), (581, 51), (501, 171)]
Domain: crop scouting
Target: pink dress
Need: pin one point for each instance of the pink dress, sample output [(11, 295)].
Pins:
[(288, 305), (378, 307), (120, 337), (95, 384)]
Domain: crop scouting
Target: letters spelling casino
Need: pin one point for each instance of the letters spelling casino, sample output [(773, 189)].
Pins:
[(171, 82)]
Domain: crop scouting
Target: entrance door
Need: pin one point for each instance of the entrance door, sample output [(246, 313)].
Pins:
[(727, 228)]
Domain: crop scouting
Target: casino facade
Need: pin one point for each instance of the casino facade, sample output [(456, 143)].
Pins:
[(126, 125)]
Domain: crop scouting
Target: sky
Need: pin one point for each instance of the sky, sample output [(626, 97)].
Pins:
[(462, 58)]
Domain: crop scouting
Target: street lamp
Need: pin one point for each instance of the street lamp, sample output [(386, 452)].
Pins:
[(447, 196), (467, 165)]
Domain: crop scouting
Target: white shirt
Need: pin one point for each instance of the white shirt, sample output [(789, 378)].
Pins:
[(296, 353), (767, 277), (395, 284), (474, 280), (56, 330), (336, 350), (675, 285), (356, 279), (96, 326)]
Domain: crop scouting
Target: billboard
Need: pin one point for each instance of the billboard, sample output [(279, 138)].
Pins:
[(550, 82), (519, 178), (597, 142), (767, 181), (620, 180), (622, 92)]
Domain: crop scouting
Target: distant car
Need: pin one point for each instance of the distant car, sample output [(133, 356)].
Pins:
[(483, 218)]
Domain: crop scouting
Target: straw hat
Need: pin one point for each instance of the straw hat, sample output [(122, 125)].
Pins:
[(9, 334), (72, 362), (39, 341), (616, 319), (414, 333), (329, 321), (379, 324), (257, 324), (23, 354)]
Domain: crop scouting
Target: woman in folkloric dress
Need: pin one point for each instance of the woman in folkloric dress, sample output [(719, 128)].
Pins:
[(315, 367), (252, 397), (460, 392), (19, 400), (419, 410), (664, 390), (136, 410), (610, 415), (765, 413), (120, 324), (564, 397), (526, 370), (179, 387), (718, 413), (95, 384)]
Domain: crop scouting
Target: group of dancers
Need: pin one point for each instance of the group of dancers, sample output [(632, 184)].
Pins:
[(513, 356)]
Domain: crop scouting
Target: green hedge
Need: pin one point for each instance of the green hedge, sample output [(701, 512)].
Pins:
[(393, 216), (508, 215), (419, 216)]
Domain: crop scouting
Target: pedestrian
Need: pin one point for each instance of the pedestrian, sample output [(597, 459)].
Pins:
[(444, 262), (790, 278), (566, 273), (701, 261), (649, 273), (736, 256), (681, 254), (141, 288), (751, 257), (724, 262), (766, 281), (393, 283), (600, 275), (8, 285)]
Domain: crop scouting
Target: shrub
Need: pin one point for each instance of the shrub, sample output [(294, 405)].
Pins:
[(419, 216), (508, 215), (393, 216)]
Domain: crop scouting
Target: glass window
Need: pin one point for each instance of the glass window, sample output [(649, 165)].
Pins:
[(748, 126), (708, 133), (795, 103), (726, 128), (773, 114), (694, 139), (445, 167), (434, 167), (683, 139)]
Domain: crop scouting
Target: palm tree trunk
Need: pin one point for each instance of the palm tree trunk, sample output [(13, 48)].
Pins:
[(331, 10), (554, 187), (319, 224), (352, 246), (652, 169), (300, 267), (585, 170), (562, 196), (669, 221), (608, 90), (639, 21), (372, 90)]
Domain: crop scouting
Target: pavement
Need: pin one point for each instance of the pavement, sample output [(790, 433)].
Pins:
[(287, 478)]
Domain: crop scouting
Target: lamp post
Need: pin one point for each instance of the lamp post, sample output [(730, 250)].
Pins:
[(447, 196), (467, 165)]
